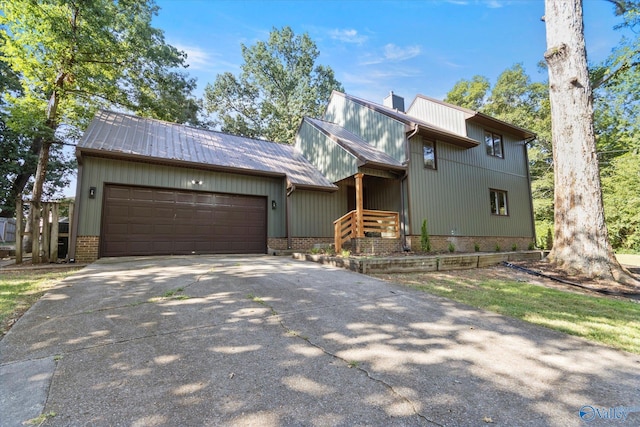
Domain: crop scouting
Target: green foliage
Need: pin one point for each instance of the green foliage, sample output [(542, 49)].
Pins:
[(74, 57), (514, 247), (531, 246), (548, 242), (469, 93), (452, 248), (425, 241), (621, 190), (498, 248), (279, 84), (476, 247)]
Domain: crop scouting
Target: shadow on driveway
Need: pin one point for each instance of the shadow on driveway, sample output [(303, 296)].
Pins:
[(223, 340)]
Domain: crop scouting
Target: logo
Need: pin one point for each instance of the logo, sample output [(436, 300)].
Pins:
[(617, 413)]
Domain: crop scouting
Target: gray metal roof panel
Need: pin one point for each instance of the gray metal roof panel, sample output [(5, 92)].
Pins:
[(136, 136), (354, 144)]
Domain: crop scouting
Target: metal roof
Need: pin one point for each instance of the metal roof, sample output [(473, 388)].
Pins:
[(137, 138), (423, 128), (361, 149)]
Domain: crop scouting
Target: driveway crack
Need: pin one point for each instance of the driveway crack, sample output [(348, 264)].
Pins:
[(292, 332)]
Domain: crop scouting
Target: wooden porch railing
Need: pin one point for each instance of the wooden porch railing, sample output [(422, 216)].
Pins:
[(386, 223)]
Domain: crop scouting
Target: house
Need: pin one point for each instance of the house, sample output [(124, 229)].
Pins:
[(365, 175)]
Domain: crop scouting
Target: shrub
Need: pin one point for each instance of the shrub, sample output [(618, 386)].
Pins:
[(451, 247), (498, 249), (514, 247), (425, 241), (548, 244), (476, 247)]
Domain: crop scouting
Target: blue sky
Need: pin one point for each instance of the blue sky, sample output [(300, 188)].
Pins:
[(409, 47)]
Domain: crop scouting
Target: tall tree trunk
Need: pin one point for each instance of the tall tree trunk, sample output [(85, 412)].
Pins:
[(581, 242)]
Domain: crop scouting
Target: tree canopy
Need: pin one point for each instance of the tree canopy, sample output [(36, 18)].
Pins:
[(280, 83), (73, 57)]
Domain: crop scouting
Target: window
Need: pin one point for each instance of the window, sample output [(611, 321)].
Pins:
[(493, 142), (498, 202), (429, 154)]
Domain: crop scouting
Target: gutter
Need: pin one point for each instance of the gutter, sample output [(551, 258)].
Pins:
[(287, 216), (526, 159)]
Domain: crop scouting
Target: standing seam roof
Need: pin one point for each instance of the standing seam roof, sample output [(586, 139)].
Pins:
[(129, 135)]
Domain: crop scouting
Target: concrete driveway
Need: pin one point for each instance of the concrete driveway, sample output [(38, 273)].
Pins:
[(215, 340)]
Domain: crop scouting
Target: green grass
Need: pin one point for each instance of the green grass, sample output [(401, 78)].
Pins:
[(19, 290), (613, 322)]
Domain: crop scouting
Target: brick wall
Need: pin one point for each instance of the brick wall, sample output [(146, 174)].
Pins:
[(468, 243), (87, 248), (299, 243), (374, 245)]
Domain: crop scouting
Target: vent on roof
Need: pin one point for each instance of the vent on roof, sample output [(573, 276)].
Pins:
[(394, 101)]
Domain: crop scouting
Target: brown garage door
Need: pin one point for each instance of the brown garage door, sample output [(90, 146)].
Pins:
[(151, 221)]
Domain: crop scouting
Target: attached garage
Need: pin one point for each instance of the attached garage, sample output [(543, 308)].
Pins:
[(156, 221), (148, 187)]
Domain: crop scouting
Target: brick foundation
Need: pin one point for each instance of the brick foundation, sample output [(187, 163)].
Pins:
[(299, 243), (468, 243), (374, 245), (87, 248)]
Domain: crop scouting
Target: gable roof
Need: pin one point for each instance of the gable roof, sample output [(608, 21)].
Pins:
[(363, 151), (423, 128), (482, 119), (131, 137)]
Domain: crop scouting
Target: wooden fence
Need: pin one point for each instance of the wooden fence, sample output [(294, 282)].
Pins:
[(381, 223), (45, 219)]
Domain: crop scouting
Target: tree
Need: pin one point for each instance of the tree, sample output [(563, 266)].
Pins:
[(73, 57), (469, 93), (621, 184), (581, 243), (279, 84)]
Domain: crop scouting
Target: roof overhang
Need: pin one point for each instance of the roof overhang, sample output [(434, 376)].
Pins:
[(493, 123), (445, 136)]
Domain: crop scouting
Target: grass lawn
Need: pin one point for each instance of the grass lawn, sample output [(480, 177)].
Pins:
[(613, 322), (19, 290)]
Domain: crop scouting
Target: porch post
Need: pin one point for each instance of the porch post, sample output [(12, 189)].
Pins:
[(359, 206)]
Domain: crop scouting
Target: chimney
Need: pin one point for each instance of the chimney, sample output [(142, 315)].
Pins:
[(394, 101)]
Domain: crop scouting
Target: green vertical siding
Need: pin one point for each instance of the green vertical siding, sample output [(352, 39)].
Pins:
[(455, 197), (98, 171), (313, 212), (327, 156), (381, 194), (439, 115), (382, 132)]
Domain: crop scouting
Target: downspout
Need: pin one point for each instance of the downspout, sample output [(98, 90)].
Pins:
[(288, 216), (404, 203), (76, 213), (526, 158)]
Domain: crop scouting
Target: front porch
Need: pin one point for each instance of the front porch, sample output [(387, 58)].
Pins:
[(367, 230)]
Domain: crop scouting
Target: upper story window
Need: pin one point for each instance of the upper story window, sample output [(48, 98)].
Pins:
[(429, 154), (493, 142), (498, 202)]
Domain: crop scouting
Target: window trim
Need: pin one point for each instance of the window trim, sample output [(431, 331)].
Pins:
[(435, 154), (505, 198), (493, 144)]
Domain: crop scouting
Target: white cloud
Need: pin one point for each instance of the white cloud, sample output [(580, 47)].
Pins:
[(391, 53), (397, 53), (197, 58), (348, 36)]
